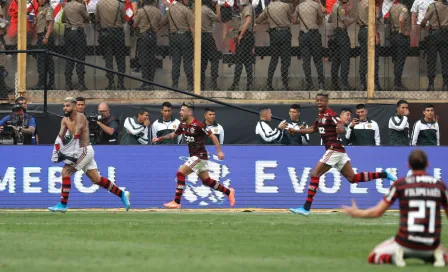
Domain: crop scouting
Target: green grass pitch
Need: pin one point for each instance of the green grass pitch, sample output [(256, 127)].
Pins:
[(192, 241)]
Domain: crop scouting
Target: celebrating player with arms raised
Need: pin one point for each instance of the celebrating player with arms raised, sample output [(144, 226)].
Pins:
[(195, 132), (329, 127), (78, 155)]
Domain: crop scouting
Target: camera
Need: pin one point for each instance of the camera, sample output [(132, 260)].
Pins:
[(94, 129)]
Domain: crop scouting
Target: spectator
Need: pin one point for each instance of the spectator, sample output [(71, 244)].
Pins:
[(418, 10), (80, 105), (165, 125), (108, 124), (426, 130), (295, 123), (215, 128), (345, 117), (265, 133), (363, 131), (136, 129), (399, 125), (23, 125)]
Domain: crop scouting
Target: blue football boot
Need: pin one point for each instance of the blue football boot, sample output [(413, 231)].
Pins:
[(390, 176), (62, 208), (125, 199), (300, 210)]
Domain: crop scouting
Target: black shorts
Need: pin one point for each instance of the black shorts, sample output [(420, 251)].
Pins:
[(226, 14)]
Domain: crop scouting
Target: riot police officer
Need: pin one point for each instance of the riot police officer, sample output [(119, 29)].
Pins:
[(362, 21), (310, 14), (74, 17), (4, 90), (244, 45), (437, 15), (110, 17), (181, 20), (44, 22), (209, 50), (278, 15), (399, 40), (341, 48), (147, 20)]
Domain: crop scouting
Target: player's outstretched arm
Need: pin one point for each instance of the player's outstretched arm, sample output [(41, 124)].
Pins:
[(165, 137), (218, 146), (373, 212)]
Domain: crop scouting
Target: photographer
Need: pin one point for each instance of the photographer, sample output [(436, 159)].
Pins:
[(104, 128), (136, 129), (18, 126)]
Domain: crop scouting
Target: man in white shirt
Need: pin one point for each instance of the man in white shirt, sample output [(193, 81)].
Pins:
[(165, 125), (426, 130), (267, 135), (362, 130), (418, 10), (215, 128)]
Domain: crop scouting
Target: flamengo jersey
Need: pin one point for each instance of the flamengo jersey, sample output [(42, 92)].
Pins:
[(194, 136), (420, 197), (326, 125)]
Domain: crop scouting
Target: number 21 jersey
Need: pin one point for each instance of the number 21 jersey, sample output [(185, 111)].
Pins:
[(420, 198)]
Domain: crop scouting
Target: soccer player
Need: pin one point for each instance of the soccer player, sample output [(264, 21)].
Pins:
[(78, 155), (195, 132), (329, 126), (420, 198)]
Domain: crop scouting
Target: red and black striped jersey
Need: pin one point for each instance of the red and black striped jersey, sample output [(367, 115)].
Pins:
[(195, 134), (420, 198), (326, 125)]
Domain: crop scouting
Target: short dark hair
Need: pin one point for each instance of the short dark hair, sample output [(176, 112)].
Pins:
[(264, 108), (361, 106), (400, 102), (209, 109), (167, 104), (428, 106), (80, 99), (418, 160), (322, 94), (141, 111), (346, 109), (295, 106), (20, 98)]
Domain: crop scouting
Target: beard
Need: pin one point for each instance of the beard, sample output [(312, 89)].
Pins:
[(68, 113)]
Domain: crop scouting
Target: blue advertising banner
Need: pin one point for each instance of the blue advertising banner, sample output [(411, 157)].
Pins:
[(262, 176)]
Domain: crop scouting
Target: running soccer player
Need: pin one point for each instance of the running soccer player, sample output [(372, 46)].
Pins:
[(78, 155), (420, 198), (195, 132), (329, 126)]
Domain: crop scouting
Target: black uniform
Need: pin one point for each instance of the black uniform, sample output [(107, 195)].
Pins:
[(340, 47), (43, 18), (147, 19), (208, 47), (181, 19), (243, 52), (310, 16), (437, 15), (110, 16), (278, 14), (74, 17), (399, 42)]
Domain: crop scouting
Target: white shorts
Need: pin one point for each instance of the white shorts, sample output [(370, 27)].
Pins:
[(390, 246), (85, 160), (335, 159), (197, 165)]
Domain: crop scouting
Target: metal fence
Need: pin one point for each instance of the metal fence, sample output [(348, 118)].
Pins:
[(318, 46)]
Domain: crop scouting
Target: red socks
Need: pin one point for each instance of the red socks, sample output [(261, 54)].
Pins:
[(180, 187), (108, 185), (216, 185), (65, 189), (312, 190)]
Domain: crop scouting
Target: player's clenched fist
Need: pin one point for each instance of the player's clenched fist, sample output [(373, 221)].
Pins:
[(155, 140), (220, 156)]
